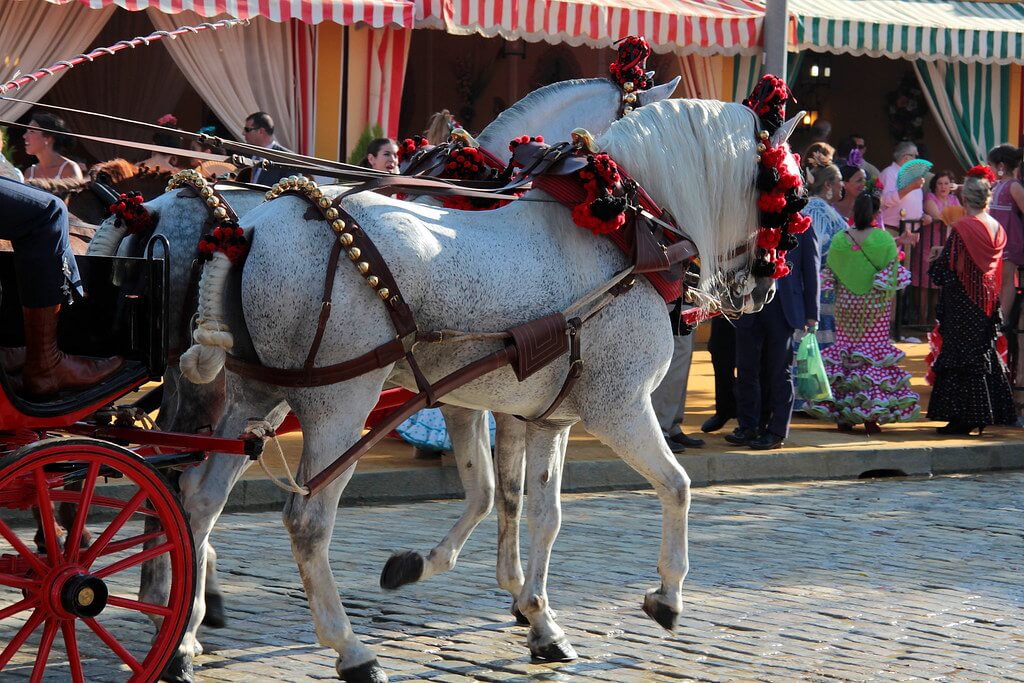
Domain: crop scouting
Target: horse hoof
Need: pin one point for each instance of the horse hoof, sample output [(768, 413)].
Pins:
[(666, 617), (179, 670), (400, 569), (556, 651), (214, 611), (520, 617), (370, 672)]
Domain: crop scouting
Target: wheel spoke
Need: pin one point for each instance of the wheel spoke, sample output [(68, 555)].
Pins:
[(20, 638), (138, 606), (112, 643), (67, 628), (117, 547), (43, 653), (97, 547), (13, 581), (20, 606), (46, 518), (38, 565), (135, 559), (72, 547)]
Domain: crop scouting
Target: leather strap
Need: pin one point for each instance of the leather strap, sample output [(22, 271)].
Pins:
[(572, 375), (325, 304), (380, 357)]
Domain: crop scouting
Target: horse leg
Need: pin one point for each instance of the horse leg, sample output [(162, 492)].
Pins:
[(471, 444), (510, 470), (637, 438), (204, 491), (310, 519), (545, 448)]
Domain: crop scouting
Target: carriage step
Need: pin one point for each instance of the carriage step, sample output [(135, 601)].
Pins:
[(15, 565)]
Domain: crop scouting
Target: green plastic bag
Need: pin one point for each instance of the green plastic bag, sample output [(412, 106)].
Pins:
[(811, 380)]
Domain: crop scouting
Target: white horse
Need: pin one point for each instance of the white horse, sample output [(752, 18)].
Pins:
[(552, 111), (488, 271)]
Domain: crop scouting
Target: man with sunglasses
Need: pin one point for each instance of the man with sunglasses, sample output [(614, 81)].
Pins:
[(855, 141), (259, 131)]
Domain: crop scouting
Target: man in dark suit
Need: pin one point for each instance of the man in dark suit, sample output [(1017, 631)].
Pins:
[(764, 351), (259, 131)]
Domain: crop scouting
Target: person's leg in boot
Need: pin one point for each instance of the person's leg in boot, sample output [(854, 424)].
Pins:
[(36, 223)]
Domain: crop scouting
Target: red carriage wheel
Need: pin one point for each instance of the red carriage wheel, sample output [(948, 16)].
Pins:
[(85, 593)]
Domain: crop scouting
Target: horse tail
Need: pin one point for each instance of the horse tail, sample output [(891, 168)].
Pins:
[(107, 238), (203, 361)]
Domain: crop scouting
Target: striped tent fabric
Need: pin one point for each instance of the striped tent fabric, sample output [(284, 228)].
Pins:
[(374, 13), (720, 27), (933, 30), (971, 103)]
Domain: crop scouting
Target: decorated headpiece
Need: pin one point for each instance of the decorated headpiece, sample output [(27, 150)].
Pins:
[(855, 158), (779, 182), (409, 146), (984, 172), (630, 64), (168, 120)]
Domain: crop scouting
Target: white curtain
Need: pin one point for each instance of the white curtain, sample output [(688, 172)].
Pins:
[(387, 60), (240, 70), (123, 86), (26, 29), (971, 103)]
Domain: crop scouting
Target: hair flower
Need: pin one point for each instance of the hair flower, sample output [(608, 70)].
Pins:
[(981, 171), (169, 120), (855, 158)]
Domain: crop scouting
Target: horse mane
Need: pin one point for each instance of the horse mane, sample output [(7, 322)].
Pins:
[(61, 187), (118, 169), (706, 178), (507, 120)]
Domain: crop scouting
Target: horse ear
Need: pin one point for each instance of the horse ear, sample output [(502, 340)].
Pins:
[(658, 92), (786, 129)]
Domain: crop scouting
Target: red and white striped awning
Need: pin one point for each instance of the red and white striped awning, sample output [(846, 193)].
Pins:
[(375, 13), (723, 27)]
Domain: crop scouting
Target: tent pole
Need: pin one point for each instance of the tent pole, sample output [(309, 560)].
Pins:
[(775, 24)]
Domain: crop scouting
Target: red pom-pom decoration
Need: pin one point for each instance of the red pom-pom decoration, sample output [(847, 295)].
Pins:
[(984, 172)]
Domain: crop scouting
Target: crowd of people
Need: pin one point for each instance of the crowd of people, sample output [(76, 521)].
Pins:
[(954, 247)]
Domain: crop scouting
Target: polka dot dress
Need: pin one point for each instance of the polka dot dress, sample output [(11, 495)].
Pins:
[(868, 385)]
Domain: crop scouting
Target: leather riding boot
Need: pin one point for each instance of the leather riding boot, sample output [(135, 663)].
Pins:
[(47, 368), (12, 359)]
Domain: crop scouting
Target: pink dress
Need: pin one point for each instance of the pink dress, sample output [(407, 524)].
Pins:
[(1004, 209), (933, 234)]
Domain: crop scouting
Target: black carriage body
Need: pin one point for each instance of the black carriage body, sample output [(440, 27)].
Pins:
[(123, 313)]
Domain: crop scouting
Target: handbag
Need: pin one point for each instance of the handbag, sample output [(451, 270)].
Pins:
[(811, 379)]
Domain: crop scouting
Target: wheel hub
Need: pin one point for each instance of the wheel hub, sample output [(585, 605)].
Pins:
[(83, 595)]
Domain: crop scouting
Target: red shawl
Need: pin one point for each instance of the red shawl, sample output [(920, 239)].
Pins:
[(976, 258)]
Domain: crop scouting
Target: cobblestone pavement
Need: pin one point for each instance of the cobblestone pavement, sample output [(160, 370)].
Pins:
[(854, 581)]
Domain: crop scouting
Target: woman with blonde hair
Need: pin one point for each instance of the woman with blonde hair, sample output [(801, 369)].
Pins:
[(971, 381)]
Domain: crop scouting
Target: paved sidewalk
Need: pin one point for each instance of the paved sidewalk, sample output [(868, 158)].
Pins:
[(815, 450), (883, 580)]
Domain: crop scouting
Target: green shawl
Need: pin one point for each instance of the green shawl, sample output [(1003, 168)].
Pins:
[(856, 267)]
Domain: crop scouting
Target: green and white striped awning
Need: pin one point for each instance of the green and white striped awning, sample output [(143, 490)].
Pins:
[(983, 32)]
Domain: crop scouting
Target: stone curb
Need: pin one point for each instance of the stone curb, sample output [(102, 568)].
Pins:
[(704, 469)]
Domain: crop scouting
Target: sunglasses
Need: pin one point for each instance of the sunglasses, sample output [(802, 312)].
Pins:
[(860, 146), (247, 129)]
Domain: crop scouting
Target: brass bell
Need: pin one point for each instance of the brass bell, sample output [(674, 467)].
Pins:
[(206, 192), (761, 147), (763, 135), (332, 214), (345, 239), (630, 97), (269, 195), (213, 201), (323, 202), (363, 267), (373, 281), (627, 109), (354, 253), (383, 293), (338, 225), (628, 86), (220, 213)]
